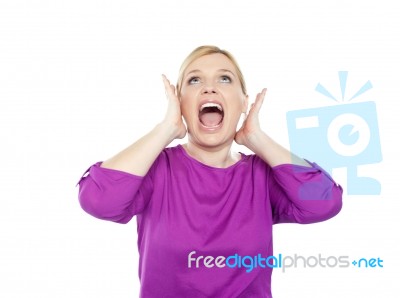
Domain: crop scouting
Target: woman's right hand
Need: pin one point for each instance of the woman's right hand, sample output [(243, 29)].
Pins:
[(138, 158), (173, 117)]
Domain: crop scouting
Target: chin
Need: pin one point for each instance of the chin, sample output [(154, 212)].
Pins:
[(212, 138)]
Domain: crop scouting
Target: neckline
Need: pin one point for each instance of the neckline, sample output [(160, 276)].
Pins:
[(193, 160)]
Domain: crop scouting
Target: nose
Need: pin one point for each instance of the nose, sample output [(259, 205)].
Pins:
[(208, 89)]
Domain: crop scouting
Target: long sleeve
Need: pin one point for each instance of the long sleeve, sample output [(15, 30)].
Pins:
[(189, 211), (303, 194), (113, 195)]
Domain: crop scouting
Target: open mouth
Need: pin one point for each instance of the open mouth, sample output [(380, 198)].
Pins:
[(211, 114)]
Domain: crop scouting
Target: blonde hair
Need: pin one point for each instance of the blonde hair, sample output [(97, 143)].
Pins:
[(203, 51)]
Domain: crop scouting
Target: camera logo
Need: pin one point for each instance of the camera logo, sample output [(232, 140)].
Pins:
[(342, 135)]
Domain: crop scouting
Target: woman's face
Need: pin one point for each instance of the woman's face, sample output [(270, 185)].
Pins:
[(212, 100)]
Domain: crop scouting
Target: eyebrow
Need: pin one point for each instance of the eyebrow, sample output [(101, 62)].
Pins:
[(219, 70)]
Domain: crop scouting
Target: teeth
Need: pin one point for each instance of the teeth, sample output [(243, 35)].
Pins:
[(211, 104)]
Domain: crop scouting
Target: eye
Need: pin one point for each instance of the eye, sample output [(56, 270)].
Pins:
[(194, 80), (225, 79)]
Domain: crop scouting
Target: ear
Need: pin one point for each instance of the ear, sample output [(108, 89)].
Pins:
[(245, 104)]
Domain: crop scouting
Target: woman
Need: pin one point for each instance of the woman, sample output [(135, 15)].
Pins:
[(201, 208)]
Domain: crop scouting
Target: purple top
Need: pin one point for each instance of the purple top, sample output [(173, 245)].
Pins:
[(205, 231)]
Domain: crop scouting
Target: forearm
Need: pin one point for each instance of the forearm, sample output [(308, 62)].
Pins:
[(111, 195), (138, 157), (270, 151)]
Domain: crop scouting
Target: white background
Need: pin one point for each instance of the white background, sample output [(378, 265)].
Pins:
[(81, 80)]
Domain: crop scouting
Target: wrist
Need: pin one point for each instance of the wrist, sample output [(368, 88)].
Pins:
[(167, 131), (253, 139)]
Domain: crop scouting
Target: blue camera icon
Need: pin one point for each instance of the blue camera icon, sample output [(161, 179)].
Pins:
[(343, 135)]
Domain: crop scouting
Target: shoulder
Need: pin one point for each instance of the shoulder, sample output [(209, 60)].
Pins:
[(167, 156), (254, 160)]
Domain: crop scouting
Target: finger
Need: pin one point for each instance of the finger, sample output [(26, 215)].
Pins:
[(169, 88), (261, 96), (259, 100), (165, 81), (256, 105), (166, 84)]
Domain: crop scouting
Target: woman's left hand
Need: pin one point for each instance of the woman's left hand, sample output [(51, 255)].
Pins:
[(251, 124)]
